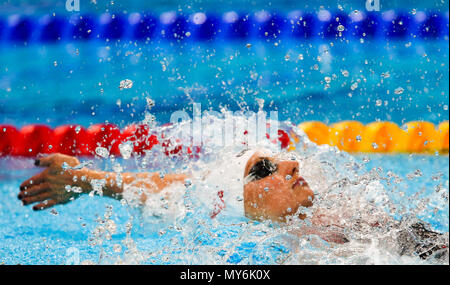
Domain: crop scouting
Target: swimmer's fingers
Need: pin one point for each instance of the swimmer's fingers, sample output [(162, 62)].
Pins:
[(44, 205), (37, 198), (34, 190), (45, 161), (56, 159), (35, 180)]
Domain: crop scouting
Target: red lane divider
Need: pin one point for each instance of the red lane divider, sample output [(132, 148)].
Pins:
[(71, 140), (11, 141), (283, 138), (107, 136), (139, 136), (32, 140), (36, 139)]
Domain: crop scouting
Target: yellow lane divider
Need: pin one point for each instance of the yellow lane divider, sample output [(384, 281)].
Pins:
[(380, 137)]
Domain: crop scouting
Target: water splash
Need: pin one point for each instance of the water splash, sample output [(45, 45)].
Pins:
[(349, 201)]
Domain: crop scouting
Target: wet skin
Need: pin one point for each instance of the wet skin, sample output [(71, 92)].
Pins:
[(49, 187)]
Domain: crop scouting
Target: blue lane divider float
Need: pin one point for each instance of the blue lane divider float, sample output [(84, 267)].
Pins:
[(201, 26)]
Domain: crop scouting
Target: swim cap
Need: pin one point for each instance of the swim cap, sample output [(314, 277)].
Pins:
[(222, 188)]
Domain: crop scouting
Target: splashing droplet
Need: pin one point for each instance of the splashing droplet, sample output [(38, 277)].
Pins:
[(126, 148), (125, 84), (102, 152), (399, 90)]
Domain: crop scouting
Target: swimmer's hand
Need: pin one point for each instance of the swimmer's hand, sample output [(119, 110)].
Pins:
[(64, 179), (56, 184)]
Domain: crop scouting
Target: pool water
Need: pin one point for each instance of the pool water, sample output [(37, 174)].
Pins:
[(79, 82), (70, 233)]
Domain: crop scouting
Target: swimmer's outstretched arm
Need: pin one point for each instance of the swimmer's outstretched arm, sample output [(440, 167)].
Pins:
[(56, 185)]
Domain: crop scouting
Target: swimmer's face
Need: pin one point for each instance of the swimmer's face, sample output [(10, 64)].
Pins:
[(273, 188)]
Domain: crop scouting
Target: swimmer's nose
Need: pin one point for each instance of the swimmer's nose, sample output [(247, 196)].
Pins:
[(288, 168)]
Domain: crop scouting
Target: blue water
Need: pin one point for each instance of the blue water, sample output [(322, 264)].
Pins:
[(78, 82)]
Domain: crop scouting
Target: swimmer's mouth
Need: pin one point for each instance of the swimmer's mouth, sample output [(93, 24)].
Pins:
[(300, 182)]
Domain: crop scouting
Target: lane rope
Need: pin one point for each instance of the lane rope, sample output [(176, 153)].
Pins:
[(107, 139), (98, 140), (380, 137), (202, 26)]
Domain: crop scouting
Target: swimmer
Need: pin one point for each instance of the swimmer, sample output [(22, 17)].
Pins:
[(261, 171), (49, 188)]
